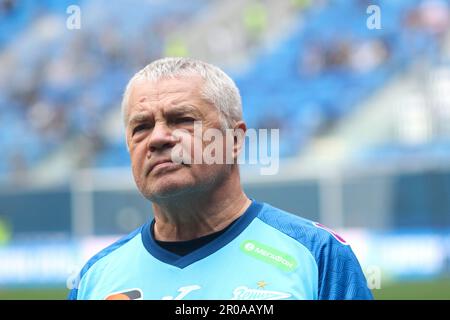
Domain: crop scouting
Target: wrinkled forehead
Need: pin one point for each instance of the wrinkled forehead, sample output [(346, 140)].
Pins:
[(166, 90)]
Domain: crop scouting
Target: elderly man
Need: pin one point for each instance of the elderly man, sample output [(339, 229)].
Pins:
[(208, 240)]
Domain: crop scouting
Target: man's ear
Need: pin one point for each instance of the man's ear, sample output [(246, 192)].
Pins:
[(239, 130)]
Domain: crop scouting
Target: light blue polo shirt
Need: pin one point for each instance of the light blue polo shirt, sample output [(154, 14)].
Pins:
[(267, 254)]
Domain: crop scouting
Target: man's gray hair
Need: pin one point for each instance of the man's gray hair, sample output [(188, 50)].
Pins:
[(218, 88)]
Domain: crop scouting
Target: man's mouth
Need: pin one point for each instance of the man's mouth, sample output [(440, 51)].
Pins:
[(161, 164)]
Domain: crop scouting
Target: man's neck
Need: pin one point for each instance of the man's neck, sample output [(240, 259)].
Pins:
[(201, 214)]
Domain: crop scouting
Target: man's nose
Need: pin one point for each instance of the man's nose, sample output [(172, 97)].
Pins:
[(161, 137)]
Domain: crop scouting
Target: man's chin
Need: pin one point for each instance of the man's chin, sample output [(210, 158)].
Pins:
[(168, 190)]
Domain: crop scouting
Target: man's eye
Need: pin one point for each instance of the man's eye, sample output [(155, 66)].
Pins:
[(140, 128)]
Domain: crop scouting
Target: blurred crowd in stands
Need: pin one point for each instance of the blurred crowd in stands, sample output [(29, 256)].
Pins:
[(58, 85)]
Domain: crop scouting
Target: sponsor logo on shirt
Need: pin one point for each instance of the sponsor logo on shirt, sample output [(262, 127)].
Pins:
[(269, 255)]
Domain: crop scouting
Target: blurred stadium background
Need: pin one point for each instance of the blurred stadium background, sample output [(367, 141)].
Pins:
[(364, 119)]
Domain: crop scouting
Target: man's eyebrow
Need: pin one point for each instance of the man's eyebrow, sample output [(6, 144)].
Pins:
[(140, 117), (145, 116)]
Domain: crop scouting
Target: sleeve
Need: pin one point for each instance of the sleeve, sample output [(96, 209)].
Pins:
[(73, 294), (82, 286), (76, 284), (340, 274)]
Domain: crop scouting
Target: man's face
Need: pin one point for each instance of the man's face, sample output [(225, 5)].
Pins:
[(156, 110)]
